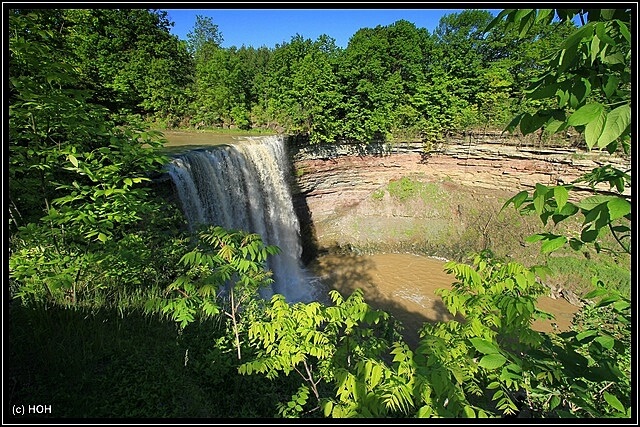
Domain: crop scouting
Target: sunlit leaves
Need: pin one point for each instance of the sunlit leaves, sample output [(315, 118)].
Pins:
[(585, 114), (607, 173), (484, 346), (616, 125), (492, 361), (220, 256), (601, 44)]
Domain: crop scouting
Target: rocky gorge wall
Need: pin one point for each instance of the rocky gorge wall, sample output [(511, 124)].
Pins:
[(343, 193)]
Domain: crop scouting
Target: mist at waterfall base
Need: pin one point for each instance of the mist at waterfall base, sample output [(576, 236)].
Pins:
[(243, 186)]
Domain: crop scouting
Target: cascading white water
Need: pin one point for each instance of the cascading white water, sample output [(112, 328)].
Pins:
[(243, 186)]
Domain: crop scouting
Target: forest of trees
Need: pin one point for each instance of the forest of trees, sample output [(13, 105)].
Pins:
[(88, 234), (395, 81)]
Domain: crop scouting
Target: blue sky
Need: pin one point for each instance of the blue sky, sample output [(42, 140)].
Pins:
[(268, 27)]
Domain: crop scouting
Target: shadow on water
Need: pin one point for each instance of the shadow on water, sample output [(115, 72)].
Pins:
[(394, 288)]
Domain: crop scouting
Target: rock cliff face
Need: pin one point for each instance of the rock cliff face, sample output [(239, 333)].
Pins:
[(338, 190)]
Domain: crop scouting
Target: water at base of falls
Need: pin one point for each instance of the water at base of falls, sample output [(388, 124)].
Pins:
[(243, 186)]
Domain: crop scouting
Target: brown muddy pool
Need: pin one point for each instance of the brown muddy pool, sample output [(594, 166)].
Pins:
[(405, 284)]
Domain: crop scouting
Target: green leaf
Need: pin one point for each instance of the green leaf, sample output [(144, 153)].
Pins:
[(613, 401), (555, 126), (605, 341), (538, 204), (618, 208), (607, 301), (469, 412), (586, 334), (613, 59), (493, 385), (544, 91), (610, 84), (484, 346), (596, 293), (593, 129), (601, 32), (624, 30), (568, 57), (595, 48), (492, 361), (577, 36), (617, 123), (553, 244), (562, 195), (102, 237), (555, 401), (592, 202), (529, 123), (575, 244), (517, 200), (585, 114), (73, 160), (511, 127), (535, 238), (588, 235)]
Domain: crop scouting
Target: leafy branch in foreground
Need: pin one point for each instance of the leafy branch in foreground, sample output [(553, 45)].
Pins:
[(223, 262), (600, 213), (589, 78), (323, 345)]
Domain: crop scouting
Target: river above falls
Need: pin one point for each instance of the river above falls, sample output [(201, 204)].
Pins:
[(183, 141), (405, 284)]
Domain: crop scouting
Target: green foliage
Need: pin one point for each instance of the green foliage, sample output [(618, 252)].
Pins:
[(407, 188), (320, 343), (204, 38), (378, 194), (601, 214), (78, 184), (403, 189), (589, 77), (570, 269), (585, 372), (129, 59), (219, 258), (495, 303), (300, 88)]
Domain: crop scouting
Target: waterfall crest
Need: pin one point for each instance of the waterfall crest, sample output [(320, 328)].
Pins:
[(244, 186)]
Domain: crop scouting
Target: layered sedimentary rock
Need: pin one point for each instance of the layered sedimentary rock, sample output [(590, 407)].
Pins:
[(333, 183)]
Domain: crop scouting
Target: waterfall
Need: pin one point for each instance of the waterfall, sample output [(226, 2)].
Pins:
[(243, 186)]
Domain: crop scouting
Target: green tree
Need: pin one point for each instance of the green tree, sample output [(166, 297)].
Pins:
[(301, 89), (76, 181), (230, 262), (204, 38), (218, 89), (129, 59), (372, 89)]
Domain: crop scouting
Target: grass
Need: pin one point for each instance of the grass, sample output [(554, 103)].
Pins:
[(107, 363), (574, 270)]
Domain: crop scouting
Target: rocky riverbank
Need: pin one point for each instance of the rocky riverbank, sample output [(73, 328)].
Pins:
[(342, 192)]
